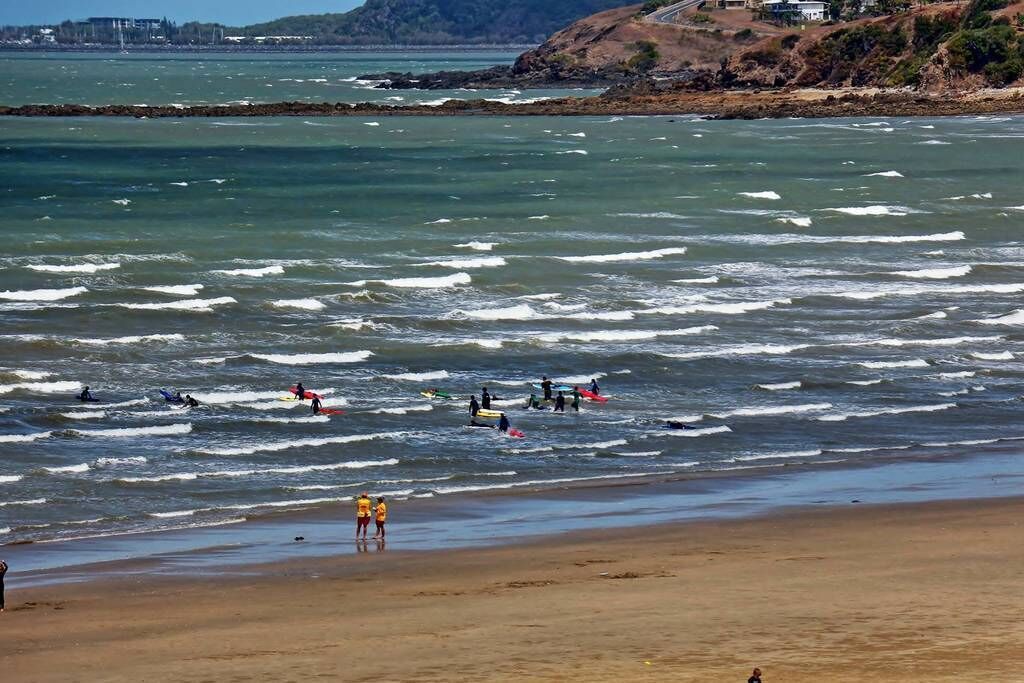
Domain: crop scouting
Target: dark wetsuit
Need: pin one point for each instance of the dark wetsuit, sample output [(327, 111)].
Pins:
[(3, 570), (86, 395), (546, 386), (576, 401), (485, 400), (316, 405), (594, 389), (300, 391), (503, 424), (560, 403), (192, 403), (474, 407)]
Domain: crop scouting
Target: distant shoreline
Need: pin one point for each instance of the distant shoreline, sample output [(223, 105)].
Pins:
[(730, 104), (243, 49)]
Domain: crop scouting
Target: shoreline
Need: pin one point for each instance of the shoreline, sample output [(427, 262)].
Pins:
[(806, 595), (509, 517), (748, 104)]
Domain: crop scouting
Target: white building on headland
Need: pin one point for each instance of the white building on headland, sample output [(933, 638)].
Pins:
[(810, 10)]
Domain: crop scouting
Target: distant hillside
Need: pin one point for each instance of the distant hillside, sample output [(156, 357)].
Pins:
[(437, 22)]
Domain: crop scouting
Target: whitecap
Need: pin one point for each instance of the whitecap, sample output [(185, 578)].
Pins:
[(887, 411), (301, 304), (78, 268), (132, 340), (42, 294), (935, 273), (313, 358), (625, 256), (780, 386), (622, 335), (767, 194), (740, 350), (884, 174), (1014, 318), (41, 387), (425, 282), (179, 290), (34, 501), (774, 410), (70, 469), (419, 376), (520, 312), (477, 246), (10, 478), (252, 272), (1002, 355), (798, 221), (873, 210), (736, 308), (698, 280), (486, 262), (884, 364), (126, 432), (198, 305), (85, 415), (702, 431), (23, 438), (289, 444)]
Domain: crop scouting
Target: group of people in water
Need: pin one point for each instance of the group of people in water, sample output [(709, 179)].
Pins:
[(547, 387)]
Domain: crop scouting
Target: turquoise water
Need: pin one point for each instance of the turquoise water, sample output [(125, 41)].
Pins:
[(800, 292), (189, 79)]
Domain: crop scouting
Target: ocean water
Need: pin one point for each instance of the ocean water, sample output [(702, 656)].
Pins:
[(800, 292), (189, 79)]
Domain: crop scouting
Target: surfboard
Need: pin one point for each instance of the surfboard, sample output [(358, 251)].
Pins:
[(556, 388), (516, 434), (306, 394), (492, 414), (289, 397), (592, 396), (169, 397), (437, 394)]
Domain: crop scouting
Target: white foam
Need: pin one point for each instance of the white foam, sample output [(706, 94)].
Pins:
[(122, 202), (623, 335), (520, 312), (422, 408), (477, 246), (776, 456), (132, 340), (740, 350), (874, 210), (86, 415), (887, 411), (41, 387), (935, 273), (23, 438), (767, 194), (42, 294), (179, 290), (127, 432), (884, 364), (1002, 355), (34, 501), (537, 482), (698, 280), (420, 376), (70, 469), (424, 282), (199, 305), (114, 462), (736, 308), (864, 382), (483, 262), (798, 221), (1014, 318), (314, 358), (957, 375), (703, 431), (292, 420), (624, 256), (252, 272), (31, 374), (270, 447), (774, 410), (301, 304), (78, 268), (10, 478), (781, 386), (884, 174)]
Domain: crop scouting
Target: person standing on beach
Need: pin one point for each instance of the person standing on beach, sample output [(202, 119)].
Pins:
[(3, 570), (474, 407), (363, 505), (755, 677), (382, 515), (545, 384)]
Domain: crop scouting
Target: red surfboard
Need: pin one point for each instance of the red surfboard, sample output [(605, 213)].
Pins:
[(306, 394), (592, 396), (516, 434), (331, 411)]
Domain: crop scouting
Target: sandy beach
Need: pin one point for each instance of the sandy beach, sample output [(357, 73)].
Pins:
[(888, 593)]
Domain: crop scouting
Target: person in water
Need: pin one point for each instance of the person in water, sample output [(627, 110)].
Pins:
[(675, 424), (594, 389), (316, 404), (363, 505), (532, 402), (382, 515), (545, 384), (300, 391), (177, 398), (576, 400), (503, 424), (191, 402), (474, 407), (86, 395), (560, 403), (485, 400)]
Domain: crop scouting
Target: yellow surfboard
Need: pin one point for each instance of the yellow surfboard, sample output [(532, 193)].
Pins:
[(489, 413)]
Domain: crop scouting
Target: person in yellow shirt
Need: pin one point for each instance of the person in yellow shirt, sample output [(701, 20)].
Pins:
[(382, 515), (362, 514)]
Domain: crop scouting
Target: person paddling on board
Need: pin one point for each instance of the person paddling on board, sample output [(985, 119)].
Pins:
[(474, 407), (594, 389), (86, 395), (191, 402), (503, 424), (545, 384), (560, 403), (300, 391), (485, 400), (316, 404), (177, 398)]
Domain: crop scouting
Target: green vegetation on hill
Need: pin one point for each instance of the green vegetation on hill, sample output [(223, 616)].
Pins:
[(437, 22)]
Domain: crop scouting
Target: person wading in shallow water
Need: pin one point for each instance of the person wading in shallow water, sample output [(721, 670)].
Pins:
[(382, 515), (363, 505)]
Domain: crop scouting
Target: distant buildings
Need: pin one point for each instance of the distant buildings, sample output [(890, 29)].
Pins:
[(808, 10)]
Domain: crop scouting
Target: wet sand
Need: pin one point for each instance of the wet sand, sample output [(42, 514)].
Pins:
[(890, 593)]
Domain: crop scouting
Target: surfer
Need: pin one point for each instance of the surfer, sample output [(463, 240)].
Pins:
[(576, 400), (177, 398), (191, 402), (474, 407), (300, 391), (316, 404), (503, 424), (86, 395), (532, 402), (594, 389), (545, 384), (382, 515), (675, 424), (362, 514), (485, 400), (560, 403)]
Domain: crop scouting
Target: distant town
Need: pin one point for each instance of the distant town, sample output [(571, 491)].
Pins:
[(123, 31)]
